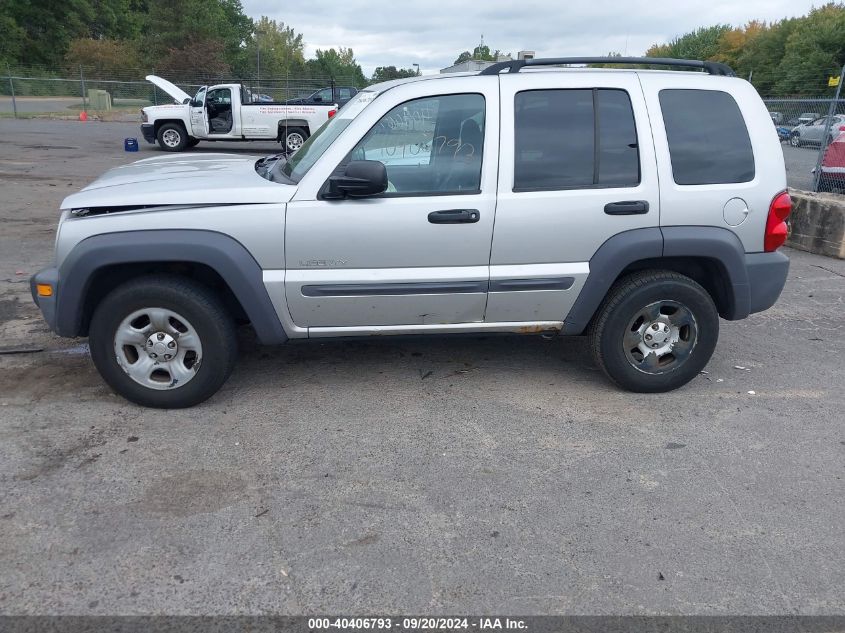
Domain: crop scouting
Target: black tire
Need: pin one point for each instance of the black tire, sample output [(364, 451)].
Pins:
[(172, 137), (795, 139), (293, 137), (617, 319), (199, 305), (192, 142)]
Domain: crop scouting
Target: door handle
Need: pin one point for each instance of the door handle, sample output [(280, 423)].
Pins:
[(626, 207), (454, 216)]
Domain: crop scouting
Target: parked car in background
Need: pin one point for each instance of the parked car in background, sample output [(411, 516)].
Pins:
[(777, 117), (784, 132), (806, 117), (812, 133), (833, 166), (339, 95)]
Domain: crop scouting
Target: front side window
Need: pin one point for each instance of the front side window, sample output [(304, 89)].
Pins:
[(430, 145), (708, 139), (568, 139)]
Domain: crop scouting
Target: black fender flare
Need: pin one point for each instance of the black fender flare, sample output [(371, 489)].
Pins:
[(627, 248), (222, 253)]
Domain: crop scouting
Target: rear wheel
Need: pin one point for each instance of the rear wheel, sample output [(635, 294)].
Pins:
[(293, 138), (172, 137), (163, 342), (655, 331)]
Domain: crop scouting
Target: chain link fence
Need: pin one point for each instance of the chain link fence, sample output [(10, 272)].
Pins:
[(812, 134), (30, 91)]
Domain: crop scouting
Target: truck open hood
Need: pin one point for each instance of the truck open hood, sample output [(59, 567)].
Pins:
[(174, 91), (205, 179)]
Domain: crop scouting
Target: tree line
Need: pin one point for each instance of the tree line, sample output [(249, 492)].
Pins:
[(793, 56), (178, 39)]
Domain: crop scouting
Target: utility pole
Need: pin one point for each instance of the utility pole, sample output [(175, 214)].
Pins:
[(830, 112), (82, 80), (12, 87)]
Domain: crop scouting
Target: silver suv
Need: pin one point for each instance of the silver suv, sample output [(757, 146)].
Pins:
[(635, 206)]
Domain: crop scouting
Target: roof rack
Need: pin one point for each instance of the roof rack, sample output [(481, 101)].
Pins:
[(712, 68)]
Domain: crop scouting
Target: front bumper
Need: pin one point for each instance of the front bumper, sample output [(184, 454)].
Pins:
[(766, 278), (148, 131), (47, 305)]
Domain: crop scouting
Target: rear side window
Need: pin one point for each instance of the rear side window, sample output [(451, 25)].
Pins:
[(568, 139), (708, 140)]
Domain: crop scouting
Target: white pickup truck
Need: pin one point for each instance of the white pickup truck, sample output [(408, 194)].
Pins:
[(227, 112)]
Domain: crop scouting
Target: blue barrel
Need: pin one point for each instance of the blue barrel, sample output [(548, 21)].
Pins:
[(130, 144)]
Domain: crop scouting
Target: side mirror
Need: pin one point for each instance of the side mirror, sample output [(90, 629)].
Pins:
[(360, 179)]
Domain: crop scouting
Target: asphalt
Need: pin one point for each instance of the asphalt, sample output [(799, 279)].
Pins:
[(445, 475)]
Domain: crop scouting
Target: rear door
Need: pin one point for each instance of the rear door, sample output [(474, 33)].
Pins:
[(577, 167)]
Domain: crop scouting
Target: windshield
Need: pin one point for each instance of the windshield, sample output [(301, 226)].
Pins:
[(298, 165)]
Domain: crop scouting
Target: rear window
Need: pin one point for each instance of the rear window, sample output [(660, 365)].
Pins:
[(581, 138), (708, 140)]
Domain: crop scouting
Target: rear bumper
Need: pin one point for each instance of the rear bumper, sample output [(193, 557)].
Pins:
[(767, 274), (47, 305), (148, 131)]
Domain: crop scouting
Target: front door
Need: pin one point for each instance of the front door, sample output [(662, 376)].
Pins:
[(416, 255), (198, 124)]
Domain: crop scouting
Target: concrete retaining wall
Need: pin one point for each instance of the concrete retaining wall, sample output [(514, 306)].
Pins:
[(817, 223)]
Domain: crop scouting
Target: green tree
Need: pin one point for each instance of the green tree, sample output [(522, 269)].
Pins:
[(281, 51), (171, 25), (703, 43), (761, 55), (463, 57), (107, 57), (481, 53), (386, 73), (338, 64), (42, 30), (814, 51)]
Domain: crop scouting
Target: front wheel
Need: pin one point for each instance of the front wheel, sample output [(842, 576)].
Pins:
[(163, 342), (795, 140), (655, 331), (172, 137)]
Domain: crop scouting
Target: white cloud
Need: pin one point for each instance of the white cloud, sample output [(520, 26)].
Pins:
[(433, 33)]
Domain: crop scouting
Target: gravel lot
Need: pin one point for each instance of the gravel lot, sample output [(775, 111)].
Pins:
[(483, 474)]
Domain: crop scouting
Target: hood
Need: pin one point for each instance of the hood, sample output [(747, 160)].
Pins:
[(206, 179), (174, 91)]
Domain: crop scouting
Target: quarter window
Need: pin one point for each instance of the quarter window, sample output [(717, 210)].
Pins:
[(430, 145), (708, 140), (567, 139)]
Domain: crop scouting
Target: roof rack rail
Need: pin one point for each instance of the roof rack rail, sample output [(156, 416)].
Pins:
[(712, 68)]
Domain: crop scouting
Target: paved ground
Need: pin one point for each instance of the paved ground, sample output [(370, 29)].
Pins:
[(69, 106), (451, 475), (800, 162)]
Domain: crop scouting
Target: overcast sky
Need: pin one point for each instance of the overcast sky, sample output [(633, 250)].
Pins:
[(432, 33)]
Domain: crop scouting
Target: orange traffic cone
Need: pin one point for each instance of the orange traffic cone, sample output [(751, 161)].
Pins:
[(83, 116)]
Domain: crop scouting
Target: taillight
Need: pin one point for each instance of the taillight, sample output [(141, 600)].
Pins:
[(776, 228), (332, 113)]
